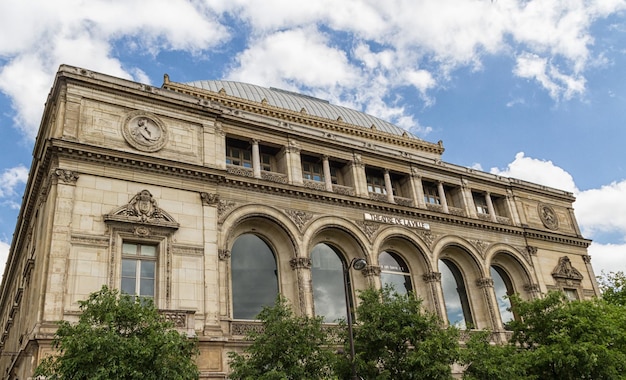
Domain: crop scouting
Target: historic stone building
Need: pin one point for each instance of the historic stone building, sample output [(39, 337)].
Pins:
[(213, 196)]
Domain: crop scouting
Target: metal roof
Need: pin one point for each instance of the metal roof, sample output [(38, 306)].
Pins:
[(296, 102)]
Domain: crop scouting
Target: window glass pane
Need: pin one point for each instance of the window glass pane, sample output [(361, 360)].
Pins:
[(328, 287), (148, 250), (146, 287), (394, 272), (129, 268), (129, 249), (128, 285), (148, 269), (254, 276), (501, 289), (455, 296)]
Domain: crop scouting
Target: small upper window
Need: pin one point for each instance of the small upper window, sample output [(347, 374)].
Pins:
[(431, 193), (480, 201)]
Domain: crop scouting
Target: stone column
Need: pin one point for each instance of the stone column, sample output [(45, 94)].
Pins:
[(359, 180), (433, 279), (388, 186), (215, 267), (256, 158), (302, 267), (468, 200), (442, 197), (492, 211), (417, 189), (372, 273), (63, 195), (328, 181), (489, 295), (510, 204)]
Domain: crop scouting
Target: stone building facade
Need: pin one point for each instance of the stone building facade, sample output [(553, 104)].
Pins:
[(213, 196)]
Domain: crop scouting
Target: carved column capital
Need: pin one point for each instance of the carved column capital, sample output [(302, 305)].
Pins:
[(300, 263), (371, 270), (485, 282), (432, 277), (67, 176), (223, 254), (209, 199)]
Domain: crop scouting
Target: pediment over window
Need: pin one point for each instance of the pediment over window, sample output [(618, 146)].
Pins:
[(565, 271), (142, 209)]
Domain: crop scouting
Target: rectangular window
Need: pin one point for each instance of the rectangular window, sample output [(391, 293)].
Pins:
[(375, 182), (238, 157), (571, 294), (266, 162), (312, 170), (481, 203), (139, 269), (431, 193)]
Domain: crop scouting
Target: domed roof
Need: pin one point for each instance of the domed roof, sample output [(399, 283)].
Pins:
[(296, 102)]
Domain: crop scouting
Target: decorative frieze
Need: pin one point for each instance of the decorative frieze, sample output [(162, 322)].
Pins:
[(299, 217), (240, 171), (274, 177), (244, 328), (343, 190)]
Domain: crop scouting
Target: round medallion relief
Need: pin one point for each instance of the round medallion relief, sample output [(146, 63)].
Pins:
[(548, 216), (144, 131)]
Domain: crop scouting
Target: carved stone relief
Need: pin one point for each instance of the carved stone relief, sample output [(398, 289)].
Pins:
[(142, 208), (223, 209), (548, 216), (209, 199), (144, 131), (368, 228), (299, 217)]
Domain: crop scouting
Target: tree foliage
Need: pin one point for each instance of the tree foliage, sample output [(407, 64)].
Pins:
[(288, 347), (120, 337), (556, 339), (613, 287), (396, 339)]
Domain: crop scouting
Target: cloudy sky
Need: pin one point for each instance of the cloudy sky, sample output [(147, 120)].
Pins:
[(532, 89)]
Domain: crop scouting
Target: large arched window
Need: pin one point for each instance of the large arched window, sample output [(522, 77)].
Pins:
[(254, 276), (503, 288), (455, 295), (394, 272), (327, 274)]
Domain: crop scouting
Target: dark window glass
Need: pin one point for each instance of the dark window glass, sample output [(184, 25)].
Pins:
[(481, 203), (394, 272), (431, 193), (503, 288), (329, 296), (254, 276), (455, 295)]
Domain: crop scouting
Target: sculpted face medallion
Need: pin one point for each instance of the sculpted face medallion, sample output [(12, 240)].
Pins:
[(144, 131), (548, 216)]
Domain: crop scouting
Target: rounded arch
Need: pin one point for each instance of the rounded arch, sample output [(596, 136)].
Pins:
[(461, 269), (408, 244), (512, 265), (266, 221), (276, 231), (339, 232)]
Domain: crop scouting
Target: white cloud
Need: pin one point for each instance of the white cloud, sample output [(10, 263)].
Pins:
[(4, 255), (10, 179), (602, 210), (607, 257), (538, 171)]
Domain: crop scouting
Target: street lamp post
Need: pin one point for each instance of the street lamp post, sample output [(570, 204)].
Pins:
[(358, 264)]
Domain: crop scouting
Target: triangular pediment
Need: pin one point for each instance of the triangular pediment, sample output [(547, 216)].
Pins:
[(142, 209)]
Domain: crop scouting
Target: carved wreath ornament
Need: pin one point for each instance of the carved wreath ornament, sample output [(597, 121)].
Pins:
[(144, 131)]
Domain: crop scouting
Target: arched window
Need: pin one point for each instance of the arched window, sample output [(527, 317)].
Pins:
[(327, 274), (394, 272), (455, 295), (254, 276), (503, 287)]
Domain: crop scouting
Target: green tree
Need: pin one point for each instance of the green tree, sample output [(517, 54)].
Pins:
[(287, 347), (556, 339), (613, 287), (120, 337), (395, 338)]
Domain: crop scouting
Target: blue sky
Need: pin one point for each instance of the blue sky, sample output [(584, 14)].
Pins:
[(531, 89)]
